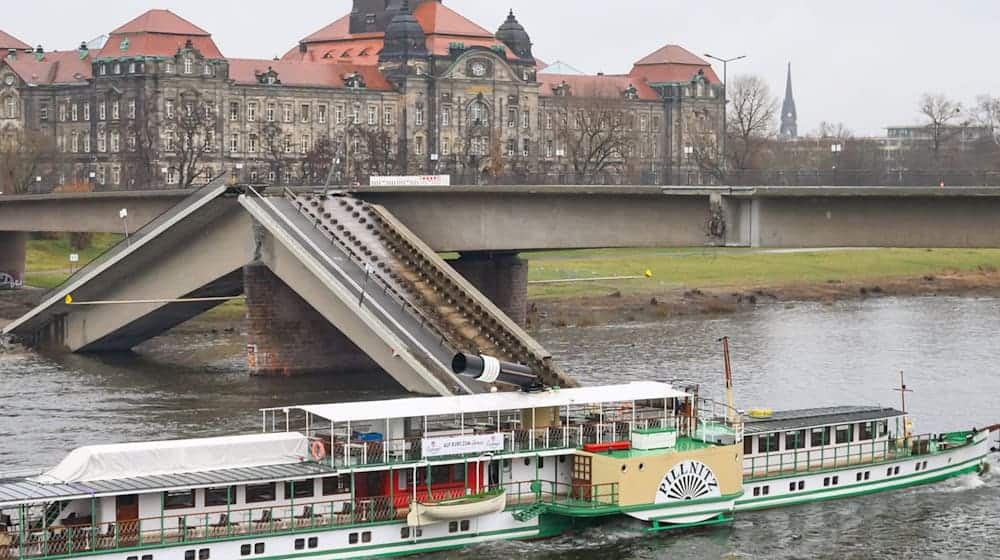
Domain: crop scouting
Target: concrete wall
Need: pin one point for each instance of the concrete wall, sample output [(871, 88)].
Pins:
[(286, 336), (501, 277), (12, 254), (88, 212)]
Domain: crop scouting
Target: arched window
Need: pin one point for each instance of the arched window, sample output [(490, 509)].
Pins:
[(478, 114)]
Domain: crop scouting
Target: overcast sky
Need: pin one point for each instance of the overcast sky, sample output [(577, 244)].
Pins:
[(863, 63)]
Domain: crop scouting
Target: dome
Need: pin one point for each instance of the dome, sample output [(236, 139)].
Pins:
[(515, 37), (404, 36)]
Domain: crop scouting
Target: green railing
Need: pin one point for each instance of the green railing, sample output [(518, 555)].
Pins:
[(561, 494)]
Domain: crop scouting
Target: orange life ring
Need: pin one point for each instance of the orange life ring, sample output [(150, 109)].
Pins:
[(317, 450)]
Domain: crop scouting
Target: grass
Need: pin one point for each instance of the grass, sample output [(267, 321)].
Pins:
[(47, 280), (714, 267), (53, 254)]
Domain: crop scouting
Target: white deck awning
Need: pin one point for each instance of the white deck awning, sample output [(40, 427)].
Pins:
[(488, 402)]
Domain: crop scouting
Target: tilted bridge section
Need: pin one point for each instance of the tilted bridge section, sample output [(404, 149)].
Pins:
[(352, 261)]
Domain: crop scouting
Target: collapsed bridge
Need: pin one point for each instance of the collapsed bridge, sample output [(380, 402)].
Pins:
[(331, 283)]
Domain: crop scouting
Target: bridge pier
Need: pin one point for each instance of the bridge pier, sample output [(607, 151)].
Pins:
[(12, 254), (286, 336), (500, 276)]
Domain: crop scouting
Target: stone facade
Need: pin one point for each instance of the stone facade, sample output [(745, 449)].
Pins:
[(424, 90)]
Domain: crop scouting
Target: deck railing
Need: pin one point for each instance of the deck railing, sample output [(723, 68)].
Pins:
[(62, 542), (831, 456)]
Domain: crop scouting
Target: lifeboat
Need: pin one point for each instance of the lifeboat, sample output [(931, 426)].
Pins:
[(425, 513)]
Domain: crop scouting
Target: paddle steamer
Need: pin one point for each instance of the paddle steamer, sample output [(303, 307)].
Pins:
[(396, 477)]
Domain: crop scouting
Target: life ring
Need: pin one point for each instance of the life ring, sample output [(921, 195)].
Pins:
[(317, 450)]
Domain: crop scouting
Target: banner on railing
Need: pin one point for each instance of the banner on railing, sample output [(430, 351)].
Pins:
[(461, 445), (410, 181)]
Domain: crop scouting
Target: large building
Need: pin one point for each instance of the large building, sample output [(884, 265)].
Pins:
[(393, 87)]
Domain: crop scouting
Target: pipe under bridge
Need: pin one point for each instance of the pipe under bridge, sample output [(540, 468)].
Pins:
[(323, 275)]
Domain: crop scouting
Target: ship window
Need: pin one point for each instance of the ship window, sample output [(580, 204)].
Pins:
[(440, 473), (260, 493), (858, 476), (845, 433), (366, 536), (925, 465), (802, 484), (300, 544), (867, 474), (258, 548), (765, 491), (404, 532), (527, 461), (826, 481), (541, 462), (888, 472), (147, 557), (204, 554), (132, 558), (791, 486), (220, 496), (337, 485), (883, 428), (895, 470), (313, 542), (865, 431), (245, 550), (795, 440), (917, 468), (178, 500), (464, 525), (819, 437), (458, 473), (453, 526), (188, 555), (303, 489), (836, 480), (352, 538), (756, 490), (748, 445), (768, 443)]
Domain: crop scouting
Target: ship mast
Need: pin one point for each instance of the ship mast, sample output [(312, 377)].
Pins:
[(902, 397), (731, 408)]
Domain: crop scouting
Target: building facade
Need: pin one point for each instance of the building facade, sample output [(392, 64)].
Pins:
[(394, 87)]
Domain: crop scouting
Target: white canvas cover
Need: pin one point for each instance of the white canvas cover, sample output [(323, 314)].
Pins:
[(127, 460)]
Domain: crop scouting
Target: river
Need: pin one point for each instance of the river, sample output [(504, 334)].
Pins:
[(799, 355)]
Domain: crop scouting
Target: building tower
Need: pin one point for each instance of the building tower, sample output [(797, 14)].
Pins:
[(789, 117)]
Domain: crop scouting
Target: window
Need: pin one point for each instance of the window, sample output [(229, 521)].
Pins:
[(756, 490), (845, 433), (795, 440), (147, 557), (525, 145), (768, 443), (303, 489), (258, 548), (86, 143), (791, 486), (252, 143), (372, 115), (748, 445), (256, 493), (656, 123), (86, 111), (868, 475), (188, 66), (826, 481), (168, 108), (62, 113), (765, 491), (511, 147), (245, 550), (300, 544), (304, 146), (115, 110), (220, 496), (548, 148), (356, 115), (802, 485), (895, 470), (132, 140), (866, 431), (289, 145), (338, 114), (304, 113), (313, 542), (207, 70), (204, 554), (924, 467), (836, 480), (418, 116), (445, 146), (103, 70), (270, 112), (366, 537), (511, 117), (387, 116), (102, 141), (643, 123), (888, 472), (446, 116), (525, 119), (883, 428), (234, 111), (336, 485), (115, 141), (252, 111), (352, 538), (74, 142), (178, 500), (453, 526), (548, 121), (116, 175), (118, 68), (74, 113), (189, 555), (168, 68), (131, 109), (404, 532), (418, 145), (857, 476), (286, 110), (464, 525), (172, 177), (819, 437), (321, 114)]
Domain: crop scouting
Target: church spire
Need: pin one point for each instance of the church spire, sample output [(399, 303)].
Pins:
[(789, 116)]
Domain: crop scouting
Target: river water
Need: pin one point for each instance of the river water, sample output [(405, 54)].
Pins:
[(784, 356)]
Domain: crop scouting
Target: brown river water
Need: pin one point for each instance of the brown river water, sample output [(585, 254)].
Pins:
[(190, 385)]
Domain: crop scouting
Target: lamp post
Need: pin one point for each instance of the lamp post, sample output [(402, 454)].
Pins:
[(836, 150), (725, 100)]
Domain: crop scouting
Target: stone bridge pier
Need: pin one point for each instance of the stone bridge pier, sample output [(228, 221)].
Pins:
[(12, 254), (500, 276)]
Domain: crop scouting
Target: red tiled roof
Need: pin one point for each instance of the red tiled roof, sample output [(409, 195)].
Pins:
[(157, 44), (338, 30), (297, 73), (595, 86), (436, 18), (672, 73), (672, 54), (161, 21), (56, 67), (8, 41)]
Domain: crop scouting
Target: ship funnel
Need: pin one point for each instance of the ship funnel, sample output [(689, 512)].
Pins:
[(490, 370)]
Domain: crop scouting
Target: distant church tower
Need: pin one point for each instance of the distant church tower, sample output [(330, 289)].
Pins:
[(789, 117)]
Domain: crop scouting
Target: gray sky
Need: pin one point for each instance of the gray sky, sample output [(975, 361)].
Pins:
[(863, 63)]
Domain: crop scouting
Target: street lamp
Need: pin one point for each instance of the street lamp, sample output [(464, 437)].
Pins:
[(725, 99)]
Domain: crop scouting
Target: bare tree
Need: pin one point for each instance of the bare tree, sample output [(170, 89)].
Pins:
[(986, 113), (192, 135), (941, 114), (751, 119), (370, 152), (22, 155), (593, 134), (319, 161), (704, 144), (274, 147), (838, 131)]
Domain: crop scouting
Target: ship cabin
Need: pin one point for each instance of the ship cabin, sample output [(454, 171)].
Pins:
[(317, 469), (820, 438)]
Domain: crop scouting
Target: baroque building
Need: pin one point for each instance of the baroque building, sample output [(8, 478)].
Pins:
[(394, 87)]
